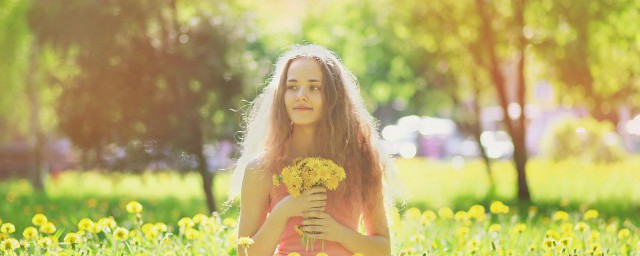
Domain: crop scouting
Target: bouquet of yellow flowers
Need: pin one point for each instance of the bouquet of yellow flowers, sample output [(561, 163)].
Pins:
[(303, 174), (310, 172)]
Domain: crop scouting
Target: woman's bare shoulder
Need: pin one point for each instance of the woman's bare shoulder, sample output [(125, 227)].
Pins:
[(256, 176)]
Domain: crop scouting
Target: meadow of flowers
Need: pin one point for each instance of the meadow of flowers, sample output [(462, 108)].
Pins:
[(75, 218), (476, 231)]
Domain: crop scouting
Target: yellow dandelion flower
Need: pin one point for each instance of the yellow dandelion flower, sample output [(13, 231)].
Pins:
[(39, 219), (462, 231), (428, 216), (200, 218), (30, 233), (582, 227), (108, 222), (48, 228), (95, 228), (72, 238), (552, 234), (230, 222), (495, 228), (476, 209), (192, 234), (186, 222), (45, 242), (134, 207), (498, 207), (591, 214), (560, 216), (445, 213), (357, 254), (612, 228), (7, 228), (549, 243), (324, 173), (566, 228), (85, 224), (566, 241), (8, 245), (245, 241), (294, 192), (520, 228), (594, 247), (461, 216), (624, 233), (293, 254), (161, 227), (150, 230), (322, 254), (413, 214), (332, 183), (121, 234)]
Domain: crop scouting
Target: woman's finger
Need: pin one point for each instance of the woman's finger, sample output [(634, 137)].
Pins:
[(318, 197), (308, 229), (312, 214), (310, 222), (315, 190)]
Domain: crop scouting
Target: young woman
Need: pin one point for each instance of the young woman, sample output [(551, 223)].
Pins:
[(312, 107)]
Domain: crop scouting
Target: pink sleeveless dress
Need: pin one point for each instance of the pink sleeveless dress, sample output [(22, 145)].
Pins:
[(290, 240)]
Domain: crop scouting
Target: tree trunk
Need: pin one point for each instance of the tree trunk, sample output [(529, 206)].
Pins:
[(207, 180), (520, 140), (516, 131), (35, 126), (477, 133)]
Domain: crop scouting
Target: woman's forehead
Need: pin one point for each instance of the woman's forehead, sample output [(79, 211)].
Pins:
[(304, 69)]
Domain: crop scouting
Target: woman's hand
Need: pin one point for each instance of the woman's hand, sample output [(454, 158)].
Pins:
[(313, 199), (320, 225)]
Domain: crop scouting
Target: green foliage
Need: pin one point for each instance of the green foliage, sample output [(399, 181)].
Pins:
[(590, 50), (15, 39), (585, 139), (163, 75)]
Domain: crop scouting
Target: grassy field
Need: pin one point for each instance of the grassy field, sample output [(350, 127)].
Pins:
[(572, 187)]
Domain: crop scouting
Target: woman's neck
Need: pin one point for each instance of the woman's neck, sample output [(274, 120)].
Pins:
[(303, 141)]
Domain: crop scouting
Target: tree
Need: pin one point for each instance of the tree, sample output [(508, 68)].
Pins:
[(162, 76), (476, 42), (592, 51)]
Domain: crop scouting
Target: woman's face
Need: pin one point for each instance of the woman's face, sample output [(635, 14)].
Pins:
[(303, 94)]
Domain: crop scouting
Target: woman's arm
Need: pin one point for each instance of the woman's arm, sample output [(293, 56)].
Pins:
[(376, 242), (253, 200)]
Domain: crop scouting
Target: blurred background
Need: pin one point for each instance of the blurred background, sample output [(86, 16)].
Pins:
[(529, 102)]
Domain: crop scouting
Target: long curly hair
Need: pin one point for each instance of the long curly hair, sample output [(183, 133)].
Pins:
[(347, 130)]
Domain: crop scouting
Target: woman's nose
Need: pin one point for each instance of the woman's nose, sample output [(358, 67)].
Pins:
[(302, 95)]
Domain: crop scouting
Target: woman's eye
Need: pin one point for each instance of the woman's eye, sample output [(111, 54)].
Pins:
[(292, 87), (315, 88)]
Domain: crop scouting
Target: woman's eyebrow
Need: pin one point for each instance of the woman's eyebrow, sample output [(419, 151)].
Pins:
[(310, 80)]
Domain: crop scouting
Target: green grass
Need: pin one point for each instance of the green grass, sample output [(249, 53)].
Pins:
[(571, 186)]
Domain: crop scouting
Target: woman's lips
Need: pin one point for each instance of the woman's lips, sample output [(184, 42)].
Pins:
[(302, 108)]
